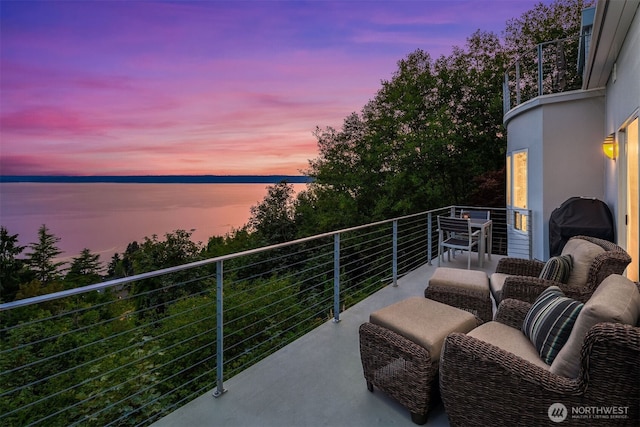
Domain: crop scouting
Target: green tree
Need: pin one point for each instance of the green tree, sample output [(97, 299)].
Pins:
[(273, 218), (10, 266), (85, 270), (561, 21), (114, 269), (41, 259), (432, 133), (418, 144), (544, 23), (154, 254), (122, 267), (332, 201), (470, 99)]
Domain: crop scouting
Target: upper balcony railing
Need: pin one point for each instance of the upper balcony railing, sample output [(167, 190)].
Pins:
[(131, 350), (550, 68)]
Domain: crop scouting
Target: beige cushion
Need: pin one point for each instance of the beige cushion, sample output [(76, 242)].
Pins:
[(496, 283), (423, 321), (470, 280), (510, 340), (616, 300), (583, 254)]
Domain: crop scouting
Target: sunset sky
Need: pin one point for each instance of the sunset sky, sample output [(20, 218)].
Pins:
[(207, 87)]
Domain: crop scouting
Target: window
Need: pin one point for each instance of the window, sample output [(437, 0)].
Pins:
[(509, 180), (520, 180), (517, 188)]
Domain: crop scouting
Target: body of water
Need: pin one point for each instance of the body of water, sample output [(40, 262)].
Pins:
[(105, 217)]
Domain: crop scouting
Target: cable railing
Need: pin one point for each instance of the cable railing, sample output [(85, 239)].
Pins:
[(552, 67), (131, 350)]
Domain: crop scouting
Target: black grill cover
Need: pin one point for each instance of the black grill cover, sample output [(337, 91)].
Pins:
[(579, 216)]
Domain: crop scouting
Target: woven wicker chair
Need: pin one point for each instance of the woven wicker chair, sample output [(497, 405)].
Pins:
[(523, 282), (483, 385)]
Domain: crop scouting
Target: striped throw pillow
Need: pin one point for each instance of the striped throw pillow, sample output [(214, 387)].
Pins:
[(549, 322), (557, 268)]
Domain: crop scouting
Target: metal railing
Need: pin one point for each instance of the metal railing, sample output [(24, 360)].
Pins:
[(550, 68), (129, 351)]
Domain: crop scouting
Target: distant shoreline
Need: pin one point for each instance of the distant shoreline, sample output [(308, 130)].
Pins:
[(160, 179)]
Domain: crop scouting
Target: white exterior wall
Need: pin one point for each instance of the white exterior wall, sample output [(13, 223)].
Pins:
[(564, 132), (563, 135), (622, 103), (524, 132)]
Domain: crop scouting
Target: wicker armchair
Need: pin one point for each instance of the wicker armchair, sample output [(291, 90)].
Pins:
[(482, 384), (522, 282)]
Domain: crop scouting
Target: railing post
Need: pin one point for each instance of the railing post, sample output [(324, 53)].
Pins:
[(219, 331), (429, 238), (540, 87), (517, 82), (530, 233), (506, 96), (395, 253), (336, 277)]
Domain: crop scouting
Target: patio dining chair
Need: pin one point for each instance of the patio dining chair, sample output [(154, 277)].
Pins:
[(476, 214), (456, 233)]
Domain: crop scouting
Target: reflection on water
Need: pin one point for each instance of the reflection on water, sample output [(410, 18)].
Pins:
[(106, 217)]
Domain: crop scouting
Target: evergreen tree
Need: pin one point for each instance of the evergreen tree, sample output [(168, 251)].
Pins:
[(10, 265), (84, 270), (41, 259)]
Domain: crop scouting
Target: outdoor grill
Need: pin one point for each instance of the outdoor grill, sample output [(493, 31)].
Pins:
[(579, 216)]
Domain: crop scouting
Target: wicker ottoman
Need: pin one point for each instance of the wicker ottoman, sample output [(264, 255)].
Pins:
[(465, 289), (400, 349)]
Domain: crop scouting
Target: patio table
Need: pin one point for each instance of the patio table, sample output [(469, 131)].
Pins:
[(486, 239)]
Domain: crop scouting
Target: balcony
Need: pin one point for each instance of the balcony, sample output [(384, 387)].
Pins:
[(550, 68), (271, 332), (317, 379)]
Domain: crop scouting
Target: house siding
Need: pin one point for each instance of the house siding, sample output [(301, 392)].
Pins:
[(622, 104), (563, 136)]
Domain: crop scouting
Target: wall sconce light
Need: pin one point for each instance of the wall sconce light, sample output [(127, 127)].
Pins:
[(610, 147)]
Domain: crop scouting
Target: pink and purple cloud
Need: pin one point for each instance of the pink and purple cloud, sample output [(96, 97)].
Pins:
[(206, 87)]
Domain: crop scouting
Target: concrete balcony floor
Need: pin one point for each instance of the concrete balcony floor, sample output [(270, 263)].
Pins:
[(317, 380)]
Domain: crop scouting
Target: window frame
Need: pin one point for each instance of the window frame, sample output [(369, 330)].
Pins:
[(518, 191)]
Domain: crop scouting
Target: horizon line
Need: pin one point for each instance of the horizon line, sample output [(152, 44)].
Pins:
[(158, 179)]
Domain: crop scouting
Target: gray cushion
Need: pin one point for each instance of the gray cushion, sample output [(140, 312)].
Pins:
[(583, 253), (557, 268), (549, 322), (616, 300)]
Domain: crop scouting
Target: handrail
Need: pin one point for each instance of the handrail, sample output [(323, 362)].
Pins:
[(543, 70), (122, 281)]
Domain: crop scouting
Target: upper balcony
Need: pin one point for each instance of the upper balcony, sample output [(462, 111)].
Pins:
[(272, 332), (552, 67)]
